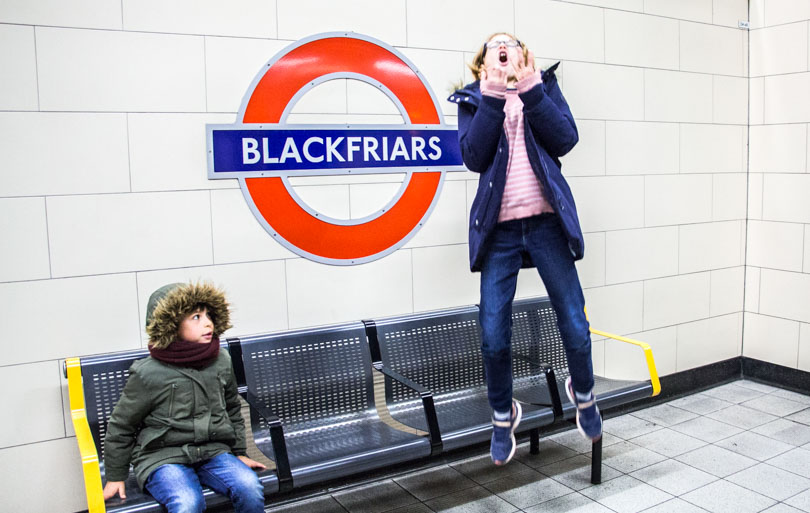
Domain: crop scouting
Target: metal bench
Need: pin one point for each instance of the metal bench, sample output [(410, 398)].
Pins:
[(95, 384), (321, 384)]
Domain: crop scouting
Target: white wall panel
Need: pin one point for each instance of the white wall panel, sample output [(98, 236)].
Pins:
[(641, 148), (775, 245), (101, 14), (442, 278), (712, 149), (24, 232), (588, 156), (778, 50), (36, 403), (62, 153), (450, 26), (625, 5), (806, 262), (786, 100), (363, 98), (777, 12), (729, 12), (729, 196), (328, 200), (778, 148), (730, 100), (545, 27), (591, 269), (709, 49), (664, 346), (755, 196), (711, 246), (243, 18), (443, 71), (609, 203), (677, 96), (771, 339), (709, 341), (639, 40), (18, 89), (596, 91), (128, 232), (447, 223), (327, 98), (785, 198), (677, 199), (383, 20), (804, 347), (757, 101), (676, 300), (784, 294), (727, 291), (634, 255), (616, 308), (697, 10), (92, 70), (752, 276), (105, 308)]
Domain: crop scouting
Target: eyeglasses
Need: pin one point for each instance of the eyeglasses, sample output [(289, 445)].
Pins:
[(509, 43)]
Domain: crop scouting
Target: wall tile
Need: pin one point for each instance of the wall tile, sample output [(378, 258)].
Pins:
[(328, 98), (363, 98), (771, 339), (256, 291), (616, 308), (785, 98), (104, 307), (596, 91), (757, 100), (91, 70), (380, 288), (446, 25), (784, 198), (730, 12), (634, 255), (804, 347), (168, 152), (447, 223), (674, 199), (757, 14), (730, 100), (696, 10), (588, 156), (784, 294), (752, 275), (127, 232), (806, 259), (18, 89), (727, 291), (778, 50), (708, 341), (778, 148), (82, 13), (246, 18), (24, 232), (639, 40), (63, 472), (231, 64), (641, 148), (238, 236), (709, 49), (625, 5), (37, 407), (443, 71), (327, 200), (711, 246), (712, 149), (755, 196), (385, 21), (557, 40), (591, 268), (529, 284), (785, 11), (626, 361), (85, 153), (609, 203), (442, 278), (598, 357), (729, 196), (775, 245), (676, 300), (677, 96)]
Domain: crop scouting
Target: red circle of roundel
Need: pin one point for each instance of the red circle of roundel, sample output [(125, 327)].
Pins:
[(267, 103)]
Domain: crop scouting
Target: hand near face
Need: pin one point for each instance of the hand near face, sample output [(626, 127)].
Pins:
[(495, 74), (522, 68)]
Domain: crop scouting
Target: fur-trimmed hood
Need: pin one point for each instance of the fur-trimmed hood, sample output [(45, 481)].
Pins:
[(170, 304)]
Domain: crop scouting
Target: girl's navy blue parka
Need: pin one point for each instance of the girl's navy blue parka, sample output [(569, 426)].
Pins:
[(550, 133)]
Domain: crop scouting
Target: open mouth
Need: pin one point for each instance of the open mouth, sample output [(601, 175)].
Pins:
[(502, 56)]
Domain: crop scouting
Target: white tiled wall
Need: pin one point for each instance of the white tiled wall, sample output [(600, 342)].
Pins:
[(104, 195)]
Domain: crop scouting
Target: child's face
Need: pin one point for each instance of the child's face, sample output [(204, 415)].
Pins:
[(197, 327), (501, 49)]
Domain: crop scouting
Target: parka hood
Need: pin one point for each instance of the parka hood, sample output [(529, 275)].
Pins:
[(170, 304)]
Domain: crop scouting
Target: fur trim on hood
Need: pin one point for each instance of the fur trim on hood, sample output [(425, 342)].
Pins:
[(170, 304)]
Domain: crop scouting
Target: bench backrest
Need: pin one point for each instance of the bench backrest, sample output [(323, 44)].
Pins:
[(308, 376), (535, 337)]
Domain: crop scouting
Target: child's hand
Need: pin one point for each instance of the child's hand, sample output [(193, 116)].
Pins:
[(114, 487), (251, 463), (495, 74), (523, 68)]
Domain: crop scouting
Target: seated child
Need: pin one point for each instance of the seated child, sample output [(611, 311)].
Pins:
[(178, 420)]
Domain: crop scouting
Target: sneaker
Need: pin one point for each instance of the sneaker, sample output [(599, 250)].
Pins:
[(589, 420), (503, 444)]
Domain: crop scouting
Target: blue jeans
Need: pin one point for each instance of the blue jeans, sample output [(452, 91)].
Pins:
[(179, 487), (542, 239)]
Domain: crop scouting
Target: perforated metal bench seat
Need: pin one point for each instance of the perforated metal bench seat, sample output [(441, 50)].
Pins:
[(320, 383), (97, 382)]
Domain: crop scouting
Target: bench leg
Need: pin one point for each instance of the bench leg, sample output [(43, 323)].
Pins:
[(596, 462), (534, 441)]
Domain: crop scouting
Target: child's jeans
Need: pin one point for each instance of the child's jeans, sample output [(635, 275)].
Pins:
[(542, 238), (178, 487)]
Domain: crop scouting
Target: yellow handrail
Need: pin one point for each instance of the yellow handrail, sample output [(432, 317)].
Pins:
[(87, 448), (648, 355)]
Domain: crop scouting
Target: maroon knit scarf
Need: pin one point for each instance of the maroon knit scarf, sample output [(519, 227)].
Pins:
[(188, 354)]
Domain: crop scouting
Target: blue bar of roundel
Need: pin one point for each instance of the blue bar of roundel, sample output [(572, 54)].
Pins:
[(228, 149)]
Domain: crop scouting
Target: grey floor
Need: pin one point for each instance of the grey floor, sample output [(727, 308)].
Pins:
[(741, 447)]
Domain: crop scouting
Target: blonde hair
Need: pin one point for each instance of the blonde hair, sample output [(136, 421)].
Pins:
[(478, 60)]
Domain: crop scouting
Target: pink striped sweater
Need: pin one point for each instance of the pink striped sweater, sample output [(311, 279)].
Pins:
[(523, 194)]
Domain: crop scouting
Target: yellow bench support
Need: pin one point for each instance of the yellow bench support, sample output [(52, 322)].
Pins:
[(648, 355), (87, 448)]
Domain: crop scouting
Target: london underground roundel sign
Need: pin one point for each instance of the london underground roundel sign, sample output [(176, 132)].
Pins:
[(263, 151)]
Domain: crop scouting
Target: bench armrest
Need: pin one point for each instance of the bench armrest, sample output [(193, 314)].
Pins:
[(428, 405), (648, 356), (87, 448), (283, 472)]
